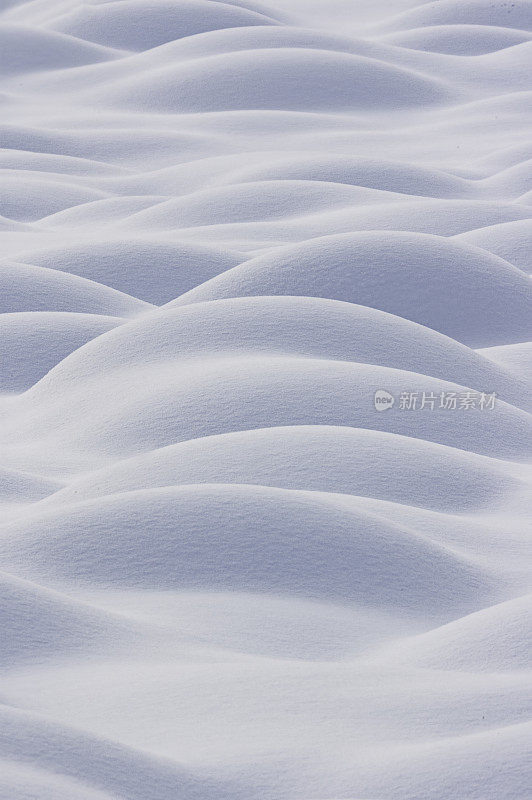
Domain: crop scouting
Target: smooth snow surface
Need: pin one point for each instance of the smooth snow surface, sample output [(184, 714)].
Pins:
[(228, 228)]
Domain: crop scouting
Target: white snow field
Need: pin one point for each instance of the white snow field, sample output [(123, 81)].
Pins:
[(265, 400)]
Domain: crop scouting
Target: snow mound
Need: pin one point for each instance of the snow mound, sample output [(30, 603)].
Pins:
[(459, 40), (511, 241), (49, 162), (27, 198), (286, 326), (103, 213), (139, 25), (304, 80), (515, 180), (115, 145), (438, 217), (315, 458), (456, 764), (28, 288), (22, 487), (375, 174), (375, 269), (255, 201), (33, 342), (516, 14), (515, 358), (269, 540), (26, 49), (37, 622), (144, 407), (96, 768), (150, 270), (495, 639)]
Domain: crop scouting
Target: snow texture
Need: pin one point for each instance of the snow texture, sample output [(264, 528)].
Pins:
[(228, 227)]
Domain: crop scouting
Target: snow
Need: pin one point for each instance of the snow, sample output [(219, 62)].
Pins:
[(122, 264), (225, 572)]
